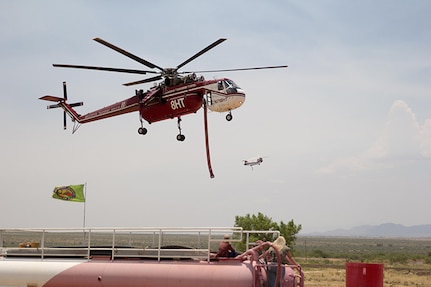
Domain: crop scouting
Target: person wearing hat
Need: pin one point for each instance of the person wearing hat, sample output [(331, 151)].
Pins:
[(225, 249), (286, 258)]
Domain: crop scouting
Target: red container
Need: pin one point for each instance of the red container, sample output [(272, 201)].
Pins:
[(364, 275)]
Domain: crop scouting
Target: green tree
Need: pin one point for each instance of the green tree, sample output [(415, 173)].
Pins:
[(428, 258), (263, 222)]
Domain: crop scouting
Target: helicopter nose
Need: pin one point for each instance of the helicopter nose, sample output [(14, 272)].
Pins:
[(237, 100)]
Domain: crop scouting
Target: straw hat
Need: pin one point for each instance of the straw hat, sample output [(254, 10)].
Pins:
[(279, 243), (226, 236)]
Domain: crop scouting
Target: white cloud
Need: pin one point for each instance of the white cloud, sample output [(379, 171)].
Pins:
[(403, 138)]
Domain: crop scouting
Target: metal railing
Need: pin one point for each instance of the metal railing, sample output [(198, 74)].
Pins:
[(116, 243)]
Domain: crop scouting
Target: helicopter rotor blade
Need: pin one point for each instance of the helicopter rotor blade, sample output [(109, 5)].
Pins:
[(219, 41), (156, 78), (127, 54), (120, 70), (233, 70)]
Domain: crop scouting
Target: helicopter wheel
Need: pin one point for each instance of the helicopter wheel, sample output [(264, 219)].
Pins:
[(181, 137), (142, 131), (229, 117)]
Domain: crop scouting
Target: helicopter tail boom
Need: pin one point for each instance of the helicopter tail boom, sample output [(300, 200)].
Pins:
[(123, 107)]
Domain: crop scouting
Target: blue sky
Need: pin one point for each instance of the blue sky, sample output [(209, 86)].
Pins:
[(346, 129)]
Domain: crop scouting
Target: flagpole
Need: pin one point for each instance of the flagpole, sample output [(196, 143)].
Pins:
[(85, 205)]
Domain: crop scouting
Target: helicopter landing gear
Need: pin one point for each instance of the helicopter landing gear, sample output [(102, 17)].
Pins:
[(180, 137), (142, 130), (229, 116)]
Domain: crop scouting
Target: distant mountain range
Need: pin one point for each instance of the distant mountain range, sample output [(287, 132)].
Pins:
[(383, 230)]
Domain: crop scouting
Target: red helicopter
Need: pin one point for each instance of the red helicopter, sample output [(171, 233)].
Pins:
[(180, 93)]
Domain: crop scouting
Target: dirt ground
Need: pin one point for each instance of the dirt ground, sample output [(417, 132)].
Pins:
[(393, 277)]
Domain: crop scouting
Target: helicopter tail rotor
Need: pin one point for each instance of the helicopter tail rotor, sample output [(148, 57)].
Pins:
[(62, 103), (65, 100)]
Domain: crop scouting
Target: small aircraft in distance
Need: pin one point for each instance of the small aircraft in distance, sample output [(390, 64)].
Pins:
[(253, 161), (179, 93)]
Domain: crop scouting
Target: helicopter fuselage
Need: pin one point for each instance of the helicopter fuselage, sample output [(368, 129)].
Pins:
[(161, 102)]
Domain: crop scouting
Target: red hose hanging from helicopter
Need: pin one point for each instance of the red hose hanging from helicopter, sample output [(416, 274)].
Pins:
[(207, 141)]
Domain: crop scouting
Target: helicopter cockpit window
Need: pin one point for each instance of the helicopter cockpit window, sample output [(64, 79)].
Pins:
[(227, 85), (230, 85)]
